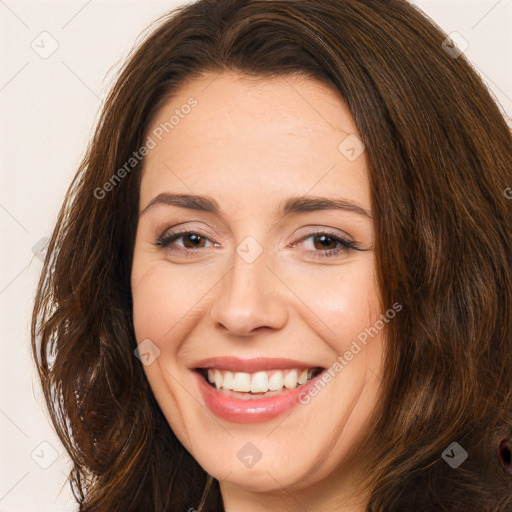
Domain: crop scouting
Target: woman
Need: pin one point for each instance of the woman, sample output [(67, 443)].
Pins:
[(203, 345)]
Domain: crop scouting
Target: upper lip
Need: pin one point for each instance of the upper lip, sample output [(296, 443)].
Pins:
[(252, 364)]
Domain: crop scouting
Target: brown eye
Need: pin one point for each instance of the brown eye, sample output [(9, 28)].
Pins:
[(195, 240), (191, 240), (326, 242), (323, 244)]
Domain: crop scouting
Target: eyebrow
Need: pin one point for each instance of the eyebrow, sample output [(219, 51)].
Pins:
[(299, 204)]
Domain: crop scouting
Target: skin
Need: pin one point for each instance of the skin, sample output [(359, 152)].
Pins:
[(249, 144)]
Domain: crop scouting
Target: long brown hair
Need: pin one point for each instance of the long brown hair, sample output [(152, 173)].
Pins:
[(439, 154)]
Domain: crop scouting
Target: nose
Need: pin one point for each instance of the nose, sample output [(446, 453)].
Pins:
[(250, 297)]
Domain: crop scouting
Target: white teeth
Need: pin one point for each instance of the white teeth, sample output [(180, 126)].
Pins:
[(228, 380), (275, 382), (290, 381), (242, 382), (218, 379), (259, 382)]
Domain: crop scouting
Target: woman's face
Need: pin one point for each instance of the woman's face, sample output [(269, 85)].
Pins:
[(262, 293)]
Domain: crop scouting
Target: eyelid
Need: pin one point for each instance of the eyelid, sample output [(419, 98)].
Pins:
[(318, 230), (345, 244), (191, 226), (167, 237)]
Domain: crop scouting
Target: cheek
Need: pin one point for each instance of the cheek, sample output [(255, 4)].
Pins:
[(153, 303), (164, 297), (340, 301), (162, 301)]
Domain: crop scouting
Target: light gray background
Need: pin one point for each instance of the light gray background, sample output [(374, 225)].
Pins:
[(49, 107)]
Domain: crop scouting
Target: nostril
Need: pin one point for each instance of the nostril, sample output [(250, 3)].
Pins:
[(505, 455)]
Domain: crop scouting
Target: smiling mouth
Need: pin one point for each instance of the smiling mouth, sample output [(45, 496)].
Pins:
[(260, 384)]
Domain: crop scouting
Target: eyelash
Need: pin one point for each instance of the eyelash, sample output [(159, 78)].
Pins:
[(166, 240)]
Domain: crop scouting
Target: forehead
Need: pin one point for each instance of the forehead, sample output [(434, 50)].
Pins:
[(253, 138)]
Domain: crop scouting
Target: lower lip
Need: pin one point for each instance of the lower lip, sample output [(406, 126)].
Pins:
[(249, 411)]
